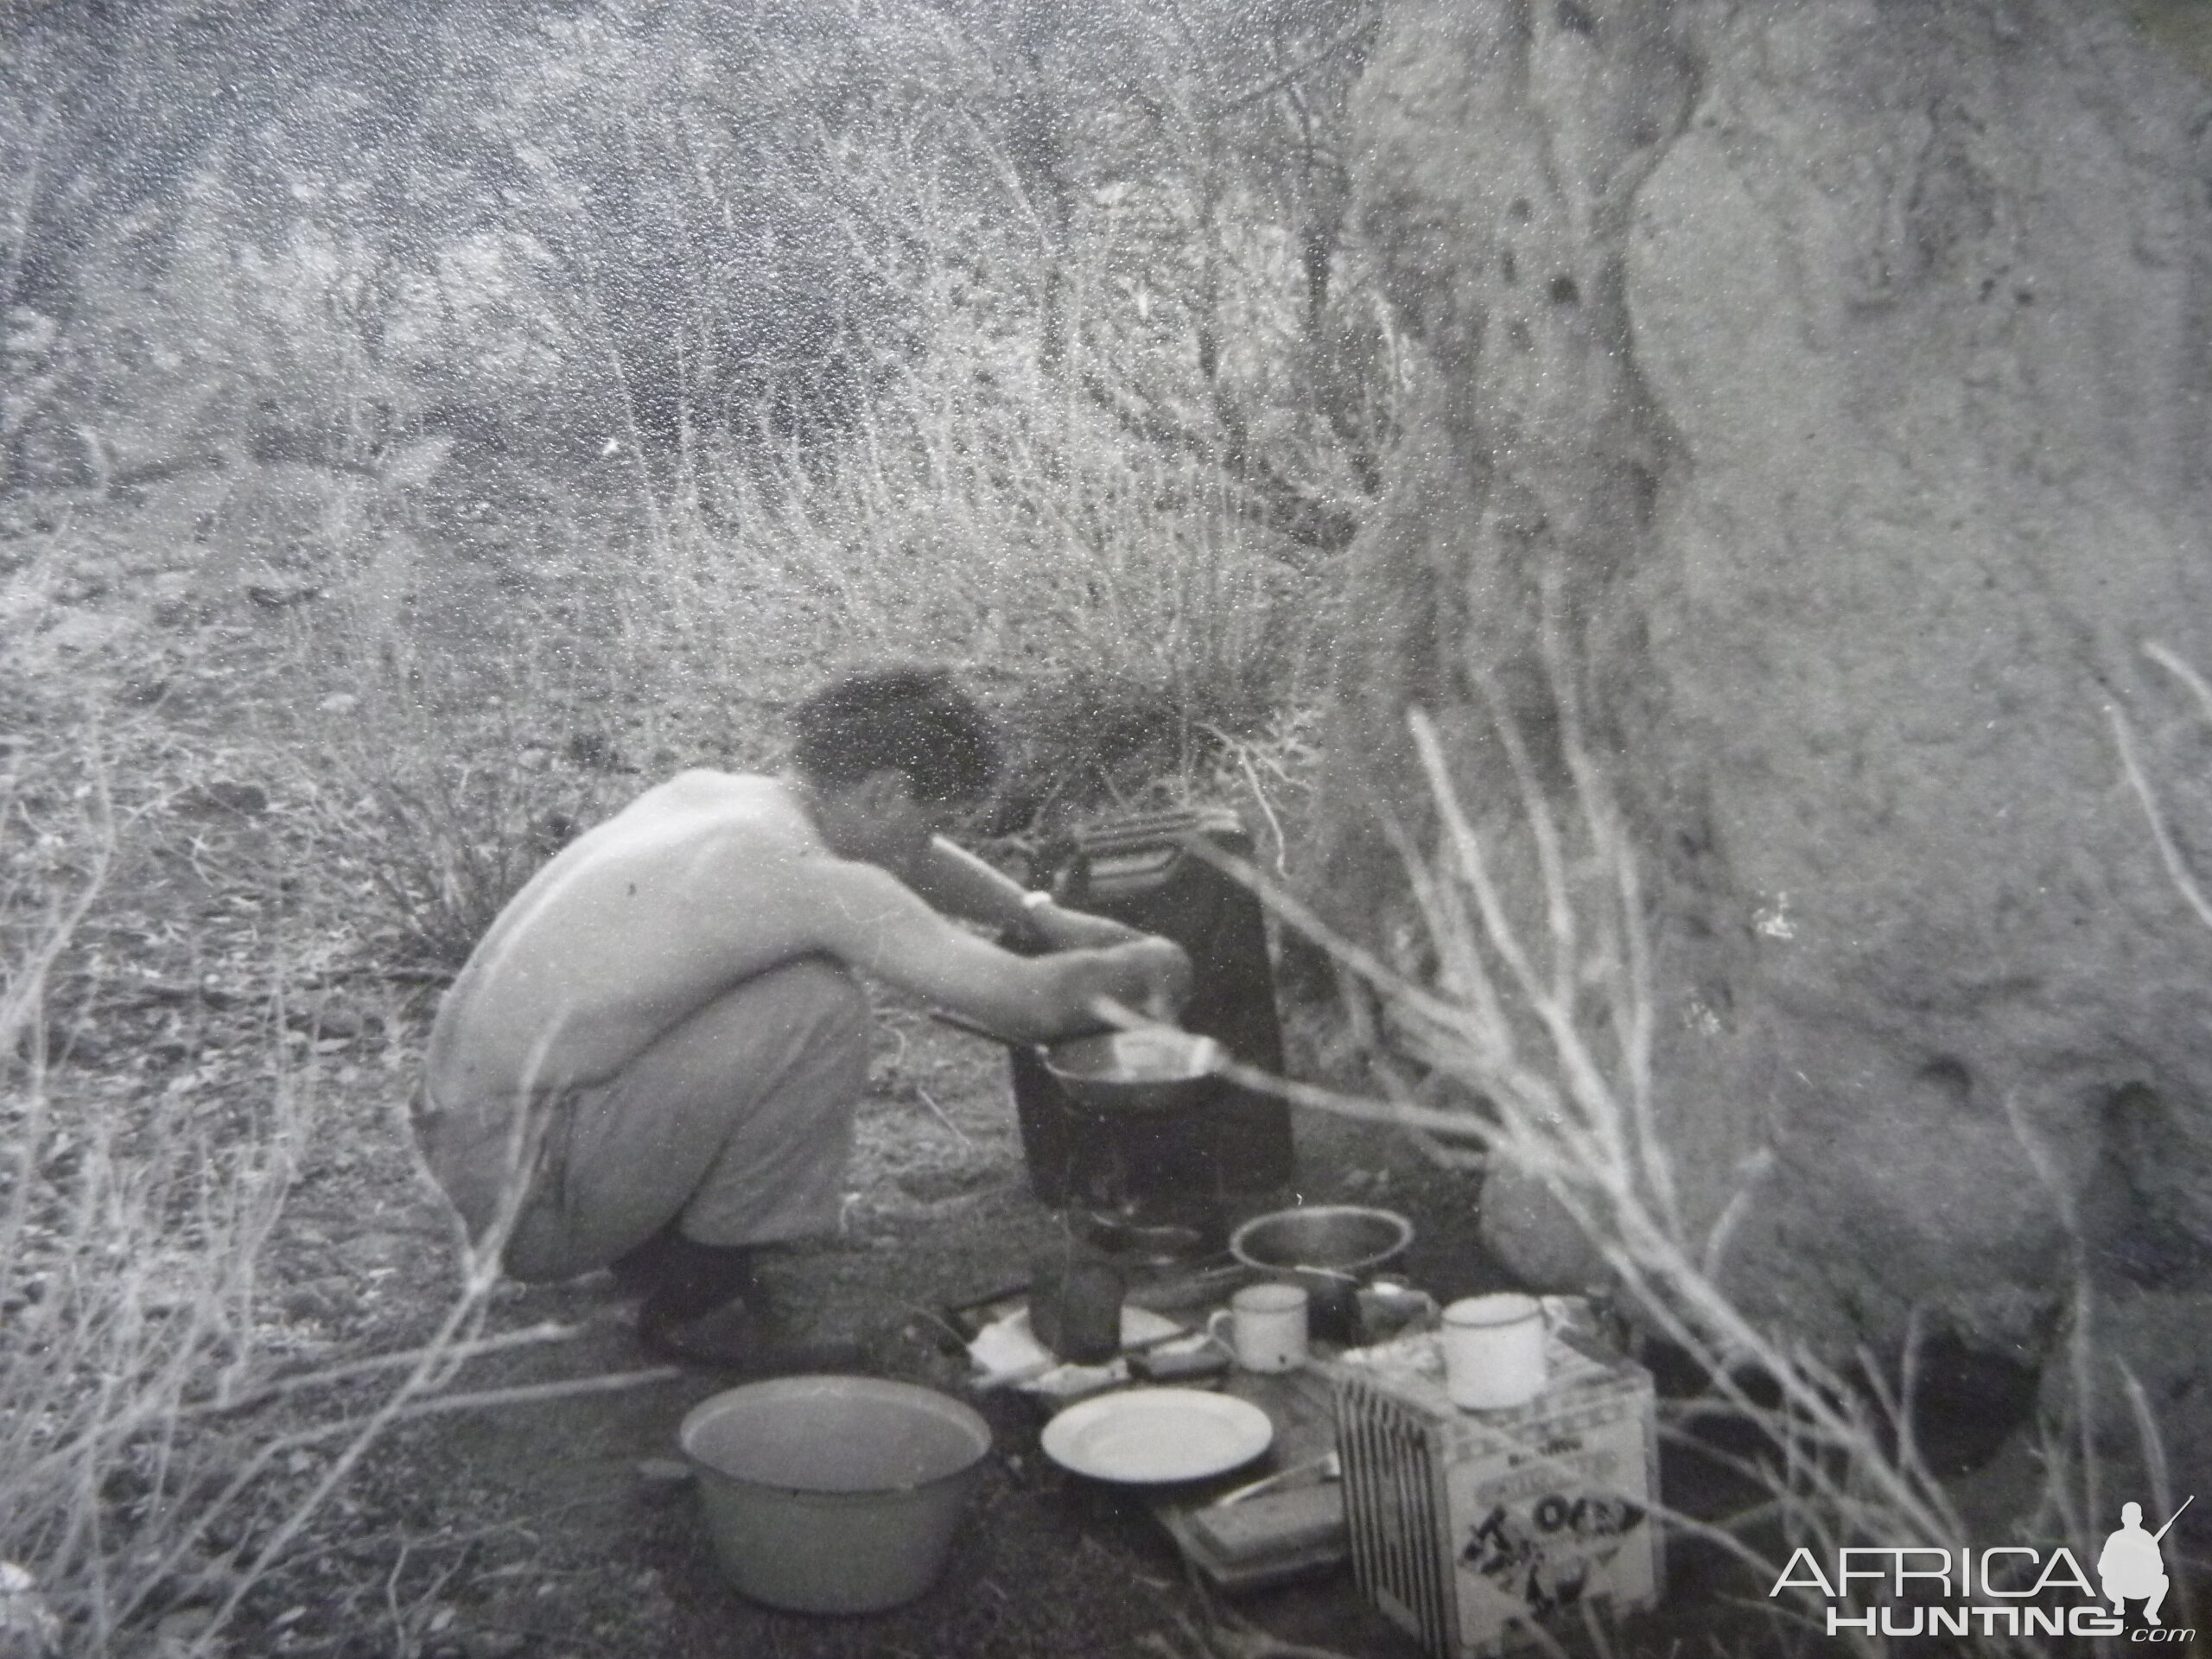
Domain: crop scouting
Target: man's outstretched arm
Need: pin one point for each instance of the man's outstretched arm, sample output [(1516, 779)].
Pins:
[(871, 920), (960, 884)]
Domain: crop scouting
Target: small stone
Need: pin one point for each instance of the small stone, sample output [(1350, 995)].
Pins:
[(339, 1021), (309, 1301), (28, 1629), (185, 1625)]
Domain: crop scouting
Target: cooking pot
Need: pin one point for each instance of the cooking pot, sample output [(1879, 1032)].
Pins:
[(1152, 1068), (1331, 1248), (1147, 1069)]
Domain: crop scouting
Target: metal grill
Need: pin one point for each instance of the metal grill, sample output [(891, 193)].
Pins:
[(1395, 1505)]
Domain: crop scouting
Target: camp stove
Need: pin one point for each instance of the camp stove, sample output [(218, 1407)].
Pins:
[(1157, 1185)]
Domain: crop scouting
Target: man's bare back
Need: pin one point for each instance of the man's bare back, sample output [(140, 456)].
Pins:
[(696, 886)]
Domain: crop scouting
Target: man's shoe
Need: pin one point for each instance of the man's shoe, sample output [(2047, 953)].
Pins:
[(669, 1265), (735, 1338)]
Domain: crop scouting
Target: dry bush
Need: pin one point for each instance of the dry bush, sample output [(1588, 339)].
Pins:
[(995, 525), (167, 1443), (1093, 449), (880, 376), (131, 1236), (1516, 1028)]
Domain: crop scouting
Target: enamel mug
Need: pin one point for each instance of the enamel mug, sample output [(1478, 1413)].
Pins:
[(1266, 1326), (1493, 1350)]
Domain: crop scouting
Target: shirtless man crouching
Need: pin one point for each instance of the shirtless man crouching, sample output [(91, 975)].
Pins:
[(652, 1060)]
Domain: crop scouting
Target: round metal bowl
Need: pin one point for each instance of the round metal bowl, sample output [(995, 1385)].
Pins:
[(1153, 1069), (1340, 1241)]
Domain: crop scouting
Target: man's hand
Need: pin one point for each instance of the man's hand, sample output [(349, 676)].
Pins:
[(1058, 929), (1164, 977), (1162, 981)]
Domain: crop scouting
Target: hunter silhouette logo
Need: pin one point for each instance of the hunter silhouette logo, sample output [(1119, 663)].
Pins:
[(2130, 1566)]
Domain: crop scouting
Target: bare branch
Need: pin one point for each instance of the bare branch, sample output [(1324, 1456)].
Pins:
[(2177, 869)]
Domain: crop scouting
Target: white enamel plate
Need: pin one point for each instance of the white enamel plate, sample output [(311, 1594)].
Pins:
[(1153, 1436)]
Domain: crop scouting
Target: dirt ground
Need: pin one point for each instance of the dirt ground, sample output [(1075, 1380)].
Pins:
[(563, 1529)]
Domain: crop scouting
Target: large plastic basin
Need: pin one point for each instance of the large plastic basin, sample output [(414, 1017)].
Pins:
[(833, 1494)]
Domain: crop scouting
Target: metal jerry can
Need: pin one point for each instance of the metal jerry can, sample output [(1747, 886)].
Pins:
[(1141, 871)]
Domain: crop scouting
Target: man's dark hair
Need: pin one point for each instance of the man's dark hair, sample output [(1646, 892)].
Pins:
[(910, 719)]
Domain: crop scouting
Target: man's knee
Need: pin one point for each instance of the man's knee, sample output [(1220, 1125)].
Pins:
[(811, 1007), (819, 992), (803, 1012)]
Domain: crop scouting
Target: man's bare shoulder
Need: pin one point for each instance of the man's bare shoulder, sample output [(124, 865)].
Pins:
[(728, 834), (704, 786), (702, 800)]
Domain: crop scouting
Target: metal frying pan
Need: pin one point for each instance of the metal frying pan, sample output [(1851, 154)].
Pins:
[(1148, 1068)]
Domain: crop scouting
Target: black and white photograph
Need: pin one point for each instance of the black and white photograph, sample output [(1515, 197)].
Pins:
[(1105, 829)]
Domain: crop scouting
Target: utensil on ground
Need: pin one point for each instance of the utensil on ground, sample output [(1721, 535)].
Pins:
[(833, 1494), (1389, 1306), (1075, 1305), (1157, 1436), (1327, 1467)]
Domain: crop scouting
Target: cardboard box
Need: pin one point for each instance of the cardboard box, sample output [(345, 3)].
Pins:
[(1471, 1528)]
